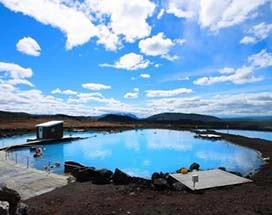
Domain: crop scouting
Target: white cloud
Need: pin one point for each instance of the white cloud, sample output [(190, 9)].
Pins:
[(65, 92), (227, 70), (15, 71), (130, 61), (261, 31), (263, 59), (109, 39), (29, 46), (160, 14), (239, 76), (20, 81), (221, 14), (122, 15), (159, 45), (132, 95), (242, 75), (182, 9), (248, 40), (214, 14), (221, 104), (144, 75), (167, 93), (76, 26), (257, 33), (96, 86)]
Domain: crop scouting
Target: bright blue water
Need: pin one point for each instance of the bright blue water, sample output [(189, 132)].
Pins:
[(252, 134), (15, 140), (142, 152)]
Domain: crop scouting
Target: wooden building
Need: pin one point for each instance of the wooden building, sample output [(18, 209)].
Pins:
[(50, 130)]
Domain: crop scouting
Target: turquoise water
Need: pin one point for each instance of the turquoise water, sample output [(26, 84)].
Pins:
[(252, 134), (142, 152)]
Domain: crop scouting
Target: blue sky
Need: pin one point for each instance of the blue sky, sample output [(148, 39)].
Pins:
[(91, 57)]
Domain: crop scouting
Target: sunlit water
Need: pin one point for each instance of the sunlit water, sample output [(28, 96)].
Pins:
[(142, 152), (252, 134)]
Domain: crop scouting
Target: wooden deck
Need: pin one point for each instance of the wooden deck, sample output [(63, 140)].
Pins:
[(28, 182), (209, 179)]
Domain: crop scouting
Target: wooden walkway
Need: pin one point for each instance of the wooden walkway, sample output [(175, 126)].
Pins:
[(209, 179), (28, 182)]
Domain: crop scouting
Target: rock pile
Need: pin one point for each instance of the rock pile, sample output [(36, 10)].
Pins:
[(159, 181)]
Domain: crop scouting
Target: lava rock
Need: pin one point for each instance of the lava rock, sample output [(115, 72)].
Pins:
[(222, 168), (11, 196), (22, 209), (69, 166), (4, 208), (177, 186), (160, 184), (102, 176), (84, 174), (119, 177), (194, 166), (141, 182)]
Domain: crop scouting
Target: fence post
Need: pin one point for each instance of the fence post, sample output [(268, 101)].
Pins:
[(27, 162)]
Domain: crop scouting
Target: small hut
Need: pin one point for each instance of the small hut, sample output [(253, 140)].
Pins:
[(50, 130)]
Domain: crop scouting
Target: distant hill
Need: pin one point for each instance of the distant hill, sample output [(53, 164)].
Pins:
[(117, 118), (175, 117), (119, 114), (9, 115)]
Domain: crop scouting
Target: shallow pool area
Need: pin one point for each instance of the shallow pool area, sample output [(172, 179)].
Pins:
[(142, 152), (266, 135)]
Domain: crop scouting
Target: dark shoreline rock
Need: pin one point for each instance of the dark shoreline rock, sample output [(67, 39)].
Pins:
[(69, 166), (11, 196)]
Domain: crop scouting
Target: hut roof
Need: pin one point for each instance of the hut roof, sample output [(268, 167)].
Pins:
[(50, 123)]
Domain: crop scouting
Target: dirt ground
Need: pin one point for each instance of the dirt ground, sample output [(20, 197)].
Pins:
[(87, 198)]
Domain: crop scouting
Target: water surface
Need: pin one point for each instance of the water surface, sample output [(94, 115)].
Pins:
[(142, 152), (267, 135)]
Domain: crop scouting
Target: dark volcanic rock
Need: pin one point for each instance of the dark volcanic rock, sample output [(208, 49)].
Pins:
[(161, 181), (194, 166), (160, 184), (102, 176), (11, 196), (4, 208), (222, 168), (178, 186), (22, 209), (84, 174), (120, 177), (141, 182), (69, 166)]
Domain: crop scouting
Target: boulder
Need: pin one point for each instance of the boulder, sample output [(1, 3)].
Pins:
[(84, 174), (177, 186), (141, 182), (222, 168), (155, 175), (194, 166), (119, 177), (160, 183), (102, 176), (22, 209), (11, 196), (4, 208), (69, 166)]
